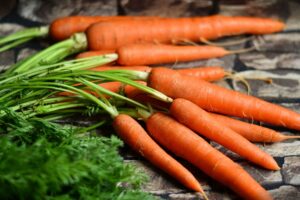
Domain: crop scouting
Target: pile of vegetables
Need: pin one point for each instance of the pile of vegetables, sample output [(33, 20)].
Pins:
[(115, 83)]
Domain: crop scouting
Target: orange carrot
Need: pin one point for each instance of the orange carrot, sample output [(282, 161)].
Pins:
[(94, 53), (214, 98), (203, 123), (149, 53), (213, 73), (252, 132), (210, 73), (137, 68), (114, 34), (63, 28), (136, 137), (188, 145)]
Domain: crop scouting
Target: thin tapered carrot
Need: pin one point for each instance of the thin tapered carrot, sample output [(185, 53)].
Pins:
[(218, 99), (188, 145), (149, 53), (114, 34), (252, 132), (203, 123), (64, 27), (136, 137)]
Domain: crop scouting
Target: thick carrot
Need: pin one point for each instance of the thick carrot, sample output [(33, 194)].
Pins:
[(252, 132), (65, 27), (214, 98), (203, 123), (114, 34), (136, 137), (149, 53), (210, 73), (186, 144)]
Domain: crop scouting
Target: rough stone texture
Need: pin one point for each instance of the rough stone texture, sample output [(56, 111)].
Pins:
[(6, 59), (264, 177), (271, 8), (24, 53), (293, 23), (48, 10), (291, 170), (266, 60), (280, 42), (8, 28), (282, 149), (286, 193), (167, 8)]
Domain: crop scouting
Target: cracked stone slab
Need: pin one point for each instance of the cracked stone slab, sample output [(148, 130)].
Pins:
[(270, 60), (291, 170), (286, 192), (48, 10), (168, 8)]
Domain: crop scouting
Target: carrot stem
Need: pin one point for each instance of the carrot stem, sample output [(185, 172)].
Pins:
[(76, 43), (23, 36)]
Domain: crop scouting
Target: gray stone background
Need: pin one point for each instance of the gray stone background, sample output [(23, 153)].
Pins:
[(276, 53)]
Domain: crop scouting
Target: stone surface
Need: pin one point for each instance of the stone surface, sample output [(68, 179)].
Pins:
[(282, 149), (167, 8), (48, 10), (8, 28), (281, 86), (271, 8), (278, 42), (24, 53), (7, 58), (291, 170), (293, 23), (270, 60), (286, 193), (266, 178)]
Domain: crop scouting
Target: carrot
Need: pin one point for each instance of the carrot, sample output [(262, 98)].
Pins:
[(93, 53), (188, 145), (136, 137), (114, 34), (149, 54), (252, 132), (221, 100), (203, 123), (210, 73), (65, 27), (137, 68)]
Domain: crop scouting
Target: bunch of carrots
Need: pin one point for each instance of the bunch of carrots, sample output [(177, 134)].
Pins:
[(192, 106)]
